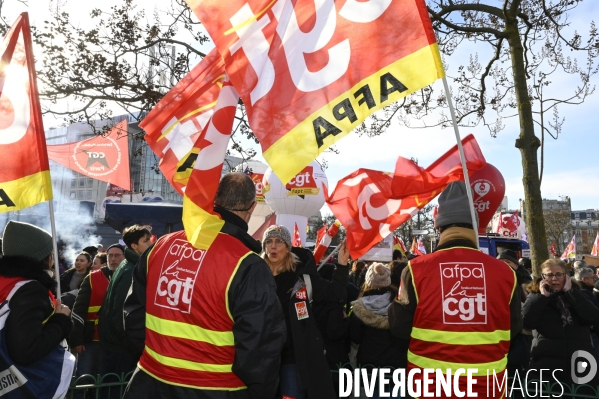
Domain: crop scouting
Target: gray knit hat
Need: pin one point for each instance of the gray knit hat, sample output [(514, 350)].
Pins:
[(24, 239), (454, 206), (378, 276), (278, 231), (508, 254)]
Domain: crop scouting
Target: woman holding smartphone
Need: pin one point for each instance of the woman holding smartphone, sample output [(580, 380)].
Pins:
[(560, 316)]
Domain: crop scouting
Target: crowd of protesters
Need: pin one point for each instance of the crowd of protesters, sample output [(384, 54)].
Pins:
[(274, 325)]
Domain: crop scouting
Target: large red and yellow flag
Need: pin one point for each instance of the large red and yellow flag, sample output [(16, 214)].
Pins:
[(24, 170), (201, 223), (176, 122), (189, 130), (103, 157), (310, 71)]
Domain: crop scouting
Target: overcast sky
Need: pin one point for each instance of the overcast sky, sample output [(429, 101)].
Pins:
[(571, 167)]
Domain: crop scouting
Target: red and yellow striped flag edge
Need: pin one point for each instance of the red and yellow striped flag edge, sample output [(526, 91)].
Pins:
[(201, 227), (414, 71), (26, 182)]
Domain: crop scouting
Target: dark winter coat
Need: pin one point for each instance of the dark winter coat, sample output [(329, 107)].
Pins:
[(334, 328), (322, 291), (353, 277), (259, 329), (553, 343), (111, 325), (28, 338), (68, 298), (588, 293), (65, 280), (83, 331), (378, 347), (304, 346)]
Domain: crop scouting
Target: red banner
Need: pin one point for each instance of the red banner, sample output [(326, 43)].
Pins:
[(415, 248), (176, 122), (371, 204), (297, 239), (201, 223), (102, 157), (310, 71), (24, 171)]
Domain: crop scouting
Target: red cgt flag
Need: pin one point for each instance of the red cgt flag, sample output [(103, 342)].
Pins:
[(103, 157), (24, 171), (297, 239), (371, 204), (570, 251), (324, 238), (270, 221), (309, 72), (176, 122), (415, 248), (399, 245), (553, 249), (189, 130), (201, 223)]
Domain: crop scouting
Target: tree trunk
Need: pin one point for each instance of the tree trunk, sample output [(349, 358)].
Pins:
[(528, 144)]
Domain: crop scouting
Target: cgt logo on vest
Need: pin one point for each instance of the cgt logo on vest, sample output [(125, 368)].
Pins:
[(464, 290), (180, 269)]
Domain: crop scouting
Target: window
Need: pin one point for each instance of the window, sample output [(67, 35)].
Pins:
[(88, 194), (577, 223), (74, 183), (73, 195), (90, 182), (80, 195), (81, 182)]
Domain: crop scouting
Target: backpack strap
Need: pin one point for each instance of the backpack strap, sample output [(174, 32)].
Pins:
[(308, 282)]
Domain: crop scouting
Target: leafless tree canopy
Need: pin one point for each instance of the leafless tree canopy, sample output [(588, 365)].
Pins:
[(484, 86)]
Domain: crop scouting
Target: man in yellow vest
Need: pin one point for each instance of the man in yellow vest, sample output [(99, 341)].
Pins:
[(456, 305), (209, 323)]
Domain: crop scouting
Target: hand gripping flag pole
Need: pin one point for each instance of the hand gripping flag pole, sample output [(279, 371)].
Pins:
[(462, 158)]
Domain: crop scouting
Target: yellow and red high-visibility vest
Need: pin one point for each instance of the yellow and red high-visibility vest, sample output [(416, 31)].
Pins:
[(462, 317), (99, 284), (189, 327)]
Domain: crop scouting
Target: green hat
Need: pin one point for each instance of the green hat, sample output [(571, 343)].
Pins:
[(24, 239)]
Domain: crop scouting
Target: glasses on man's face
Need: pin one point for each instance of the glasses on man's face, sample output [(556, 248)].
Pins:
[(551, 275), (273, 242)]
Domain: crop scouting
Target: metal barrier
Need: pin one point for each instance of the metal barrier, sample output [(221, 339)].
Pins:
[(102, 386)]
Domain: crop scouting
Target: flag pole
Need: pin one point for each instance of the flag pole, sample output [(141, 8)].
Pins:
[(327, 257), (462, 158), (56, 268)]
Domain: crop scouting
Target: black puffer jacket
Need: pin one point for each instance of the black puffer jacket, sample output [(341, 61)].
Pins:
[(553, 343), (369, 327), (334, 328), (28, 338)]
